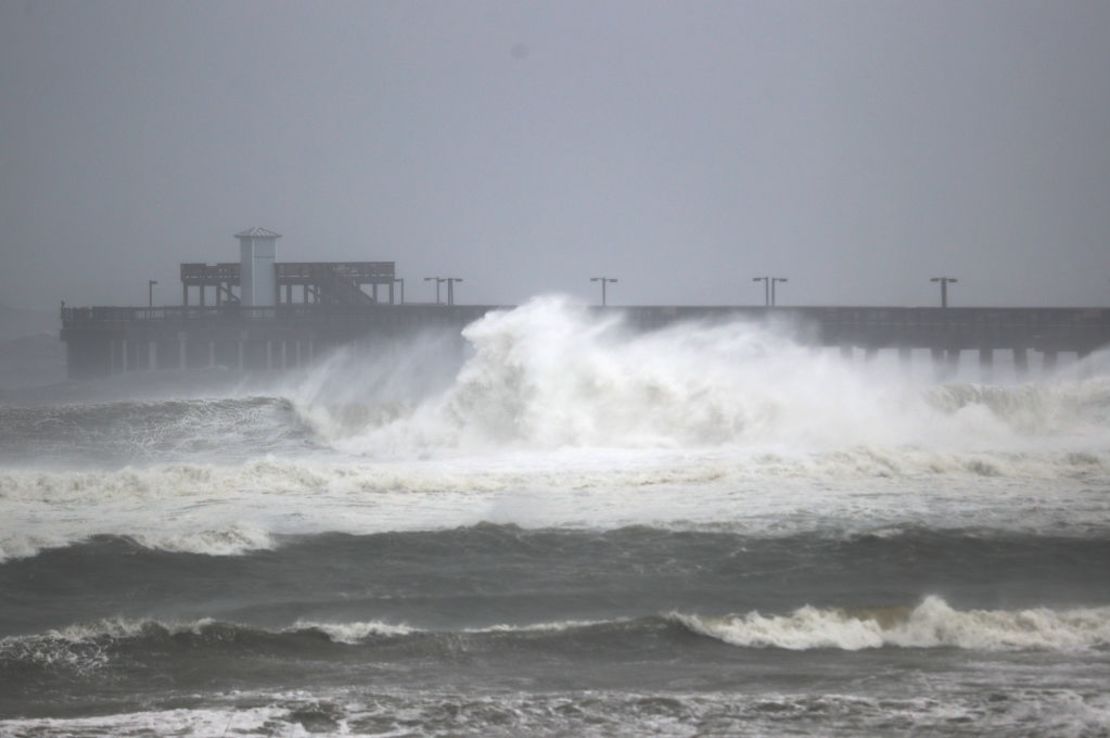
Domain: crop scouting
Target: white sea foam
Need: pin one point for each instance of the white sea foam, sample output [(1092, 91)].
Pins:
[(113, 629), (82, 648), (931, 624), (204, 723), (357, 632), (604, 714), (557, 626), (228, 510)]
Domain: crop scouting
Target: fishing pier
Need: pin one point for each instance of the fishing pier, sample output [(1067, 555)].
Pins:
[(259, 314)]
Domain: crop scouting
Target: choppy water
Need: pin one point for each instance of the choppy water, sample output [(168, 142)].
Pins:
[(559, 529)]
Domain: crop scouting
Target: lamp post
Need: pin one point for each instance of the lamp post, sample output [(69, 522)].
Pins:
[(944, 282), (150, 292), (769, 288), (438, 281), (605, 281), (766, 289), (773, 281), (451, 288)]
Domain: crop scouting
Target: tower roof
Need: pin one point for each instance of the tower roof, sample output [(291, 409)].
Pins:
[(257, 232)]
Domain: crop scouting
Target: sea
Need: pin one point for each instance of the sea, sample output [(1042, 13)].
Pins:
[(554, 525)]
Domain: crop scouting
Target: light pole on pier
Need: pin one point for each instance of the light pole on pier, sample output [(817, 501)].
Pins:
[(944, 282), (605, 281), (773, 281), (150, 292), (769, 288), (451, 288), (438, 281), (766, 289)]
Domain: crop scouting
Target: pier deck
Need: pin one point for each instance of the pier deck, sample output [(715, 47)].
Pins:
[(107, 340)]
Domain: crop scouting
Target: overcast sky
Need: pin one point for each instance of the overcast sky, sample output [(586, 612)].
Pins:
[(857, 148)]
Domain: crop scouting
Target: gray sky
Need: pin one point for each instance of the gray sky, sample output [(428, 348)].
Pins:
[(856, 147)]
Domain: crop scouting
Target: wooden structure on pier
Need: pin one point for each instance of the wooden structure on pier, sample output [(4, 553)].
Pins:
[(327, 282)]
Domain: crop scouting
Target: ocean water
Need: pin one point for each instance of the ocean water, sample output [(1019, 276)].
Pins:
[(554, 526)]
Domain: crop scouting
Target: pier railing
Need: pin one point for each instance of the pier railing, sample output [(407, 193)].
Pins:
[(844, 316), (89, 316)]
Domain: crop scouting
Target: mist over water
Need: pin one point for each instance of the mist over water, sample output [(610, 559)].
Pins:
[(592, 528)]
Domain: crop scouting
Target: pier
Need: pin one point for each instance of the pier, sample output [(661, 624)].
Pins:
[(266, 315), (101, 341)]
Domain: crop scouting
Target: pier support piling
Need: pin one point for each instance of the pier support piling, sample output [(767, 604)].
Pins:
[(1021, 361), (986, 362), (1049, 361), (905, 357), (952, 362)]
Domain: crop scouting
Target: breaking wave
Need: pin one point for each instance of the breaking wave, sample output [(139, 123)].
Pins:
[(234, 509), (87, 648), (932, 624), (130, 432), (550, 374)]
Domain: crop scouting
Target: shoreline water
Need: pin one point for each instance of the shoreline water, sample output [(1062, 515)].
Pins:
[(708, 530)]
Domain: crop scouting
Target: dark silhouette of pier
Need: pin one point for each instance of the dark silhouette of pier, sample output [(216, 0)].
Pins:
[(101, 341), (259, 321)]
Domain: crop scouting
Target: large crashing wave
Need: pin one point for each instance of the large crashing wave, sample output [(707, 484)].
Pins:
[(550, 374)]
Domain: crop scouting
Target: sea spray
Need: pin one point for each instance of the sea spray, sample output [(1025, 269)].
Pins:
[(552, 374)]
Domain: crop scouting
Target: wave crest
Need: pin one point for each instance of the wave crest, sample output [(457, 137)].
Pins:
[(931, 624)]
